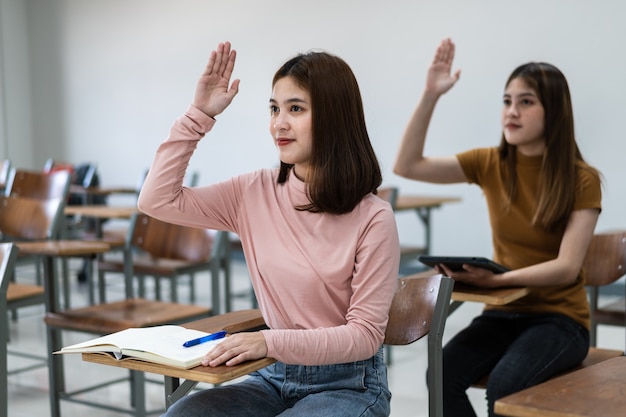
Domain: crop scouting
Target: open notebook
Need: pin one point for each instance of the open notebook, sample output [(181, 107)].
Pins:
[(158, 344)]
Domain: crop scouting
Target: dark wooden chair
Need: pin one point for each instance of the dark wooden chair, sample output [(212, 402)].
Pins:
[(420, 308), (604, 264), (8, 255), (162, 250)]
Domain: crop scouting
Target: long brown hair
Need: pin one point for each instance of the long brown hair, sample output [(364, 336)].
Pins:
[(343, 167), (562, 158)]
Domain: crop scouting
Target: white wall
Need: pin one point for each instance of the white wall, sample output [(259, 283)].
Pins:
[(16, 138), (109, 77)]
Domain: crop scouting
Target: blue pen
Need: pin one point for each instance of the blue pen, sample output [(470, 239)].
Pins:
[(207, 338)]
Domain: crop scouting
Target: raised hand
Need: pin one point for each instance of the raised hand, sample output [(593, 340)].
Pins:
[(213, 94), (440, 78)]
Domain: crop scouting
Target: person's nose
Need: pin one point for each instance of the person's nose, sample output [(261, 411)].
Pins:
[(512, 110), (280, 123)]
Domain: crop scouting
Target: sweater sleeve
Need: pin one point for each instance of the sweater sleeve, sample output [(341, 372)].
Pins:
[(163, 195)]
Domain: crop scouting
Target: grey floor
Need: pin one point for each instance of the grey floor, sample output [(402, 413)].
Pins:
[(28, 391)]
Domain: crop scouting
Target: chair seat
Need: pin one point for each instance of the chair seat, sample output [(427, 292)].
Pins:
[(113, 317), (613, 314), (115, 238), (19, 292), (146, 265)]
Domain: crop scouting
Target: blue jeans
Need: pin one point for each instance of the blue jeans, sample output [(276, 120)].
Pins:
[(349, 389), (518, 350)]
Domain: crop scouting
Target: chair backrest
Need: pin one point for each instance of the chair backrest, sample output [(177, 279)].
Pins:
[(24, 218), (170, 241), (605, 261), (416, 308), (36, 184), (420, 307), (8, 255), (389, 194)]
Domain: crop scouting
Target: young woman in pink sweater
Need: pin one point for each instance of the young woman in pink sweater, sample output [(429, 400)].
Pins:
[(321, 248)]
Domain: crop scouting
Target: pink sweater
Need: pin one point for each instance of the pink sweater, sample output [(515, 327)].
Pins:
[(324, 282)]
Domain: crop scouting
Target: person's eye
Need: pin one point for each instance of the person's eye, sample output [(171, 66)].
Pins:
[(506, 101), (527, 102), (273, 109), (296, 108)]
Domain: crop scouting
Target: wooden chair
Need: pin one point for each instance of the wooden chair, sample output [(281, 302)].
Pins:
[(43, 186), (36, 184), (105, 318), (8, 255), (408, 253), (163, 250), (604, 264), (419, 308), (26, 219)]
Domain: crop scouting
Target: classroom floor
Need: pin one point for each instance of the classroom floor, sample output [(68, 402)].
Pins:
[(28, 391)]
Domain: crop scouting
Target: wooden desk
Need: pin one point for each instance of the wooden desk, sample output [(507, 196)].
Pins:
[(494, 296), (596, 391), (49, 250), (233, 322), (423, 205), (101, 211), (98, 190)]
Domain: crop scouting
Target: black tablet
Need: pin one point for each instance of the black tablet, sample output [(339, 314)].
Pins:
[(455, 263)]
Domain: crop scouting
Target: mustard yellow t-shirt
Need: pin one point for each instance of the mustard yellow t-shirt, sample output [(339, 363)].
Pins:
[(518, 243)]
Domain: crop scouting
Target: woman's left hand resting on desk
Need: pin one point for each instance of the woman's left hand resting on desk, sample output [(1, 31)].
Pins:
[(237, 348)]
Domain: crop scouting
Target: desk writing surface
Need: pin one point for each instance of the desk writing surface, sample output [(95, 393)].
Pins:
[(412, 202), (63, 247), (495, 296), (596, 391), (102, 190), (232, 322), (101, 211)]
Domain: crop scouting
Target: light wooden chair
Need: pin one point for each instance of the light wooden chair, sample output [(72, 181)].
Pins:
[(8, 255), (604, 264), (163, 250), (420, 308)]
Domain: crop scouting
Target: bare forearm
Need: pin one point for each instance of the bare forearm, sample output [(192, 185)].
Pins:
[(411, 151)]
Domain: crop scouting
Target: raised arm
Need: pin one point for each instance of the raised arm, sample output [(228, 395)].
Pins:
[(410, 161)]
